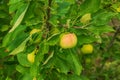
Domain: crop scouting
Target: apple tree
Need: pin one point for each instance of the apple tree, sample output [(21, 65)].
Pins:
[(59, 39)]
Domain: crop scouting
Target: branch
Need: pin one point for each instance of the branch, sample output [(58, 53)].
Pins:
[(114, 36), (113, 39), (111, 42), (48, 15)]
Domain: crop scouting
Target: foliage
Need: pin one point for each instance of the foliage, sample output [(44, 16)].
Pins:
[(35, 26)]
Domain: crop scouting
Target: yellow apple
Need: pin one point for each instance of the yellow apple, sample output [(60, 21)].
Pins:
[(31, 57), (87, 49), (85, 18)]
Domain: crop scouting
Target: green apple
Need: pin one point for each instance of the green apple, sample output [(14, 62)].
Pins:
[(68, 40), (87, 49), (88, 60)]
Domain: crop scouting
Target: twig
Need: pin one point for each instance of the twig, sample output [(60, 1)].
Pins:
[(113, 39)]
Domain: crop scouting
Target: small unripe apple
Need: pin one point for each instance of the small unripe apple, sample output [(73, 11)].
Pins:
[(31, 57), (88, 60), (68, 40), (87, 49), (85, 18)]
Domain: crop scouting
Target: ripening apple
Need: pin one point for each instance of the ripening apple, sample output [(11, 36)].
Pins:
[(68, 40), (87, 49)]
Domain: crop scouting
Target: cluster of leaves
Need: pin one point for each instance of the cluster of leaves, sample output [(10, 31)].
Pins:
[(34, 26)]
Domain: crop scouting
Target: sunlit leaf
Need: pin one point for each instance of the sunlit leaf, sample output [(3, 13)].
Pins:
[(20, 48), (19, 19)]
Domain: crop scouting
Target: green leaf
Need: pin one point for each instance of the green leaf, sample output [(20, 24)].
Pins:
[(8, 78), (20, 48), (90, 6), (22, 59), (54, 20), (101, 29), (18, 31), (4, 28), (44, 47), (27, 76), (3, 14), (102, 17), (83, 39), (19, 17), (6, 39), (49, 57), (67, 61), (14, 1), (12, 35), (15, 6), (76, 63), (34, 70), (76, 77), (22, 69), (3, 53), (53, 40), (69, 1), (30, 14), (62, 65), (63, 8), (16, 42)]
